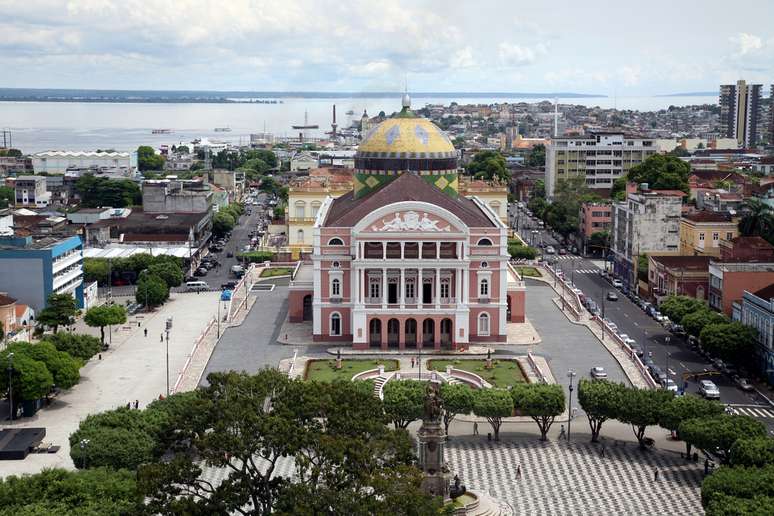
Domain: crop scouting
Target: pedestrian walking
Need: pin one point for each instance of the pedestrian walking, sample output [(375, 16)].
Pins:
[(146, 333), (518, 472), (162, 338), (139, 324), (655, 475), (129, 405), (602, 452), (562, 433), (475, 427), (100, 356), (136, 404)]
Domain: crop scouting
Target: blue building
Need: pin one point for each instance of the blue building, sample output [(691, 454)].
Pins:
[(32, 268), (756, 309)]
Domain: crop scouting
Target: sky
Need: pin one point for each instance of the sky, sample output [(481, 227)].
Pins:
[(591, 46)]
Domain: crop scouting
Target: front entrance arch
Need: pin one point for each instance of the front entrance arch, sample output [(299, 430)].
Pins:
[(446, 332), (428, 332), (393, 332), (411, 332), (375, 333)]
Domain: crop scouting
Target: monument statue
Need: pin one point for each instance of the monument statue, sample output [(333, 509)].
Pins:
[(432, 440), (433, 402)]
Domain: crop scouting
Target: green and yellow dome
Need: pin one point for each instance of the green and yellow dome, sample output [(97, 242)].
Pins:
[(405, 143)]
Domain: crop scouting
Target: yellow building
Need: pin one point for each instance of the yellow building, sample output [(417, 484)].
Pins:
[(701, 232), (493, 194), (306, 195)]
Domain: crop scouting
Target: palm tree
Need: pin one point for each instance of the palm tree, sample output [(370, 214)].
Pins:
[(758, 220)]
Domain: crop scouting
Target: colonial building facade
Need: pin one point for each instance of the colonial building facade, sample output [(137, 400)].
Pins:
[(403, 260)]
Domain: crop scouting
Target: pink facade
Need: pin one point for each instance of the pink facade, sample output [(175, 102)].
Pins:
[(594, 217)]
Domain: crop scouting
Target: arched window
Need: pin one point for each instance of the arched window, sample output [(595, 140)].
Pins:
[(300, 209), (335, 241), (336, 265), (315, 207), (335, 324), (483, 324), (484, 241), (300, 236), (336, 287), (484, 265), (483, 288)]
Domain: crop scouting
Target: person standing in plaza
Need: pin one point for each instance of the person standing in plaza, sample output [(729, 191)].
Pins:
[(562, 433), (162, 338), (475, 427), (518, 472), (146, 332), (655, 475)]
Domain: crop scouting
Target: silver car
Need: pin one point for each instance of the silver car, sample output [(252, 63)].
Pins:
[(598, 373), (709, 390)]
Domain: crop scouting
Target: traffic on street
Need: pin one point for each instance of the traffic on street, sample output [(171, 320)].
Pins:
[(684, 367)]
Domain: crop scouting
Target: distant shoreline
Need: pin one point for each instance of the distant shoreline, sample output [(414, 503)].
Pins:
[(237, 97)]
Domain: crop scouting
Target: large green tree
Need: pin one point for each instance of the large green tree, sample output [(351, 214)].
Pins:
[(147, 159), (151, 291), (488, 165), (30, 378), (96, 269), (169, 271), (222, 223), (60, 310), (64, 368), (494, 405), (752, 451), (642, 408), (80, 346), (105, 315), (457, 399), (719, 433), (347, 460), (732, 341), (600, 401), (57, 492), (662, 172), (404, 401), (7, 196), (683, 408), (540, 401), (757, 220), (695, 322), (101, 191), (677, 307), (739, 483), (536, 157)]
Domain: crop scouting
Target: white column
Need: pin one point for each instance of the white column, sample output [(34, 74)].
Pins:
[(384, 250), (438, 250), (355, 276), (402, 250), (437, 288), (384, 287), (459, 250), (458, 285), (466, 286), (419, 244), (402, 284)]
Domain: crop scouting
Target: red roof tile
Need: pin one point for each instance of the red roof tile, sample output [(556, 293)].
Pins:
[(708, 216)]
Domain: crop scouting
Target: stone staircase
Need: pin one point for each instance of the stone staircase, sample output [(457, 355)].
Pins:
[(379, 381)]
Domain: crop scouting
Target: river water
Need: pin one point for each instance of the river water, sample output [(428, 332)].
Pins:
[(84, 126)]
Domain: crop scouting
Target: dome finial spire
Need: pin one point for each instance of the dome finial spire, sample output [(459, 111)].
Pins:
[(406, 100)]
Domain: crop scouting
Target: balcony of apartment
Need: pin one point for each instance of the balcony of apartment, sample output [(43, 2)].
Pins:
[(301, 220), (66, 260), (73, 274)]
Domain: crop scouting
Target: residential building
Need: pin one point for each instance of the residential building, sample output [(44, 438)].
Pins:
[(7, 313), (702, 231), (765, 167), (595, 217), (492, 193), (740, 111), (179, 161), (58, 162), (305, 197), (729, 280), (719, 201), (756, 310), (679, 276), (600, 157), (89, 215), (11, 165), (746, 249), (233, 181), (403, 260), (31, 191), (33, 268), (176, 196), (647, 222)]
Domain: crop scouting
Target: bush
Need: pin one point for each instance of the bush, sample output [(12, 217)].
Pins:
[(256, 256), (79, 346), (744, 483)]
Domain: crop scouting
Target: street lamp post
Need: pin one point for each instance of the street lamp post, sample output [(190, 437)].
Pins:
[(168, 328), (83, 444), (10, 389), (570, 375)]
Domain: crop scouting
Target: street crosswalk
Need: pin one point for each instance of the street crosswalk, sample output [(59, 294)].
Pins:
[(587, 271), (760, 412)]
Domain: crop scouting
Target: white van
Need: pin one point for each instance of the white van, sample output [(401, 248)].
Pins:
[(196, 285)]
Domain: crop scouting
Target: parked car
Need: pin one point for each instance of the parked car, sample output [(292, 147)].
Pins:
[(658, 374), (709, 390), (612, 296), (617, 283), (562, 251), (196, 285), (550, 250), (229, 285), (229, 254), (598, 373), (201, 271), (669, 385)]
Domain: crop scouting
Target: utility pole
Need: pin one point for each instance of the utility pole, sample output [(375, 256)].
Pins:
[(168, 328), (570, 375), (10, 389)]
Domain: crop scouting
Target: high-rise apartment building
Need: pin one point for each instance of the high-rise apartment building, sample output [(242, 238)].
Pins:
[(600, 156), (740, 111)]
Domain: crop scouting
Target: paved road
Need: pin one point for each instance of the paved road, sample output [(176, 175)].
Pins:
[(645, 330), (253, 345), (567, 346)]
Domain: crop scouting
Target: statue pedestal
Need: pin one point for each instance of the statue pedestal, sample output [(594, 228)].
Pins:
[(488, 363), (432, 440), (338, 363)]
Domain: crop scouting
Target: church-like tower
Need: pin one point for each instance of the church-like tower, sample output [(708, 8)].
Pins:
[(401, 144)]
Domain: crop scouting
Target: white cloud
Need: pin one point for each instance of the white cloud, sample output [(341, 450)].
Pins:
[(746, 43), (629, 75), (463, 58), (519, 55)]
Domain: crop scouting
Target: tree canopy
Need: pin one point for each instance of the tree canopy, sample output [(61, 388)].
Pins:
[(147, 159), (695, 322), (540, 401), (78, 345), (222, 223), (101, 191), (752, 451), (151, 290), (757, 220), (600, 401), (494, 405), (105, 315), (457, 399), (404, 401), (169, 271), (662, 172), (731, 341), (30, 378), (488, 165), (719, 433), (677, 307), (642, 408), (60, 310)]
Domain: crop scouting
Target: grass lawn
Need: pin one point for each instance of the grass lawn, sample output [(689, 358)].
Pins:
[(502, 374), (276, 271), (529, 272), (325, 370)]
